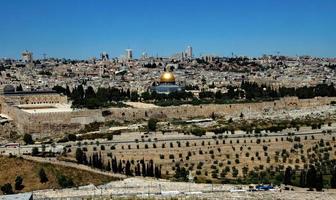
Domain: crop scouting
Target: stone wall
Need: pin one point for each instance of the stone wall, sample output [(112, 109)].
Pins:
[(49, 98), (59, 122), (188, 111)]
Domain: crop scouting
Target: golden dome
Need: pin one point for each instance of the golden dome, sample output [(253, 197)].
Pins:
[(167, 77)]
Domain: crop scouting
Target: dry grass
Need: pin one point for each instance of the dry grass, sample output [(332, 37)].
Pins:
[(245, 150), (28, 170)]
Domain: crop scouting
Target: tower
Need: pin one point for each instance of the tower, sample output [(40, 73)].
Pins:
[(27, 56), (129, 54), (189, 52), (144, 55), (104, 56)]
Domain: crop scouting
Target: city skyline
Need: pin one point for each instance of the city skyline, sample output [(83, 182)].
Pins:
[(84, 29), (167, 99)]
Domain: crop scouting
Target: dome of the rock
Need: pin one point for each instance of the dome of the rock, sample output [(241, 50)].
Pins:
[(167, 77)]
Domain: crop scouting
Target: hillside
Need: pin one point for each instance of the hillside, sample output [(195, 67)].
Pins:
[(10, 168)]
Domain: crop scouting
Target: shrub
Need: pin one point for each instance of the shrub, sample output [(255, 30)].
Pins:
[(265, 147), (35, 151), (72, 137), (64, 182), (7, 189), (151, 124), (43, 176), (18, 183), (28, 139), (198, 131)]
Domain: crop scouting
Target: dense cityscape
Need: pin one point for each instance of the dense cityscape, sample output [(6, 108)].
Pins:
[(186, 125)]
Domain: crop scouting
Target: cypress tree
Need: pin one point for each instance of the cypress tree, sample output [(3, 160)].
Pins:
[(108, 166), (319, 182), (137, 170), (128, 171), (144, 171), (100, 163), (43, 176), (120, 167), (288, 176), (157, 172), (85, 162), (90, 161), (18, 183), (79, 155), (150, 169), (303, 178), (114, 165), (311, 177), (333, 180)]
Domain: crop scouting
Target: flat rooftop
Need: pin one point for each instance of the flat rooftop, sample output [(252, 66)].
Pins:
[(45, 108)]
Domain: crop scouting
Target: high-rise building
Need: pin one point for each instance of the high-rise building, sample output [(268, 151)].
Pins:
[(27, 56), (129, 54), (104, 56), (144, 55), (189, 52)]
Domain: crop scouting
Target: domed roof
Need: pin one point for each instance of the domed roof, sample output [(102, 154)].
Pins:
[(9, 89), (167, 77)]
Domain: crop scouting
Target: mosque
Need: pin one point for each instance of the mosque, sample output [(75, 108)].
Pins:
[(167, 84)]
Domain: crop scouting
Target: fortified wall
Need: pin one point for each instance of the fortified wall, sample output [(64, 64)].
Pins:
[(60, 122), (189, 111)]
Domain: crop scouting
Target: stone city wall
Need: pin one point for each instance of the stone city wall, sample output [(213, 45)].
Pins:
[(60, 122), (218, 109), (35, 99)]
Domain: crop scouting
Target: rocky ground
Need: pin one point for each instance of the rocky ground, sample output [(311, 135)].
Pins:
[(162, 189)]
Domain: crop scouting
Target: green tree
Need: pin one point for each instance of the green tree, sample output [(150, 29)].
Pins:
[(35, 151), (108, 166), (19, 88), (28, 139), (65, 182), (7, 189), (79, 155), (18, 183), (333, 180), (43, 176), (181, 174), (152, 124), (311, 177), (319, 182), (288, 176), (72, 137), (134, 96), (303, 178), (90, 93), (197, 131)]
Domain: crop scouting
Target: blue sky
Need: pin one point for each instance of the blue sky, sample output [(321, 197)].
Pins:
[(84, 28)]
